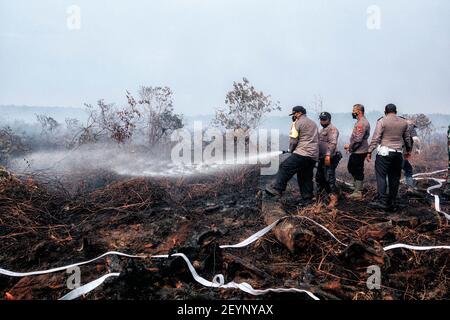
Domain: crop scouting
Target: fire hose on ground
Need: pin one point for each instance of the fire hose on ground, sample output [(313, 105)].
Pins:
[(218, 280)]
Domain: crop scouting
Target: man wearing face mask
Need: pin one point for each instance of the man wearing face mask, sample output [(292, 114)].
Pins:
[(358, 148), (304, 146), (328, 159)]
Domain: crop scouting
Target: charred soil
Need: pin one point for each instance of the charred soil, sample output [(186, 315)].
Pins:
[(42, 228)]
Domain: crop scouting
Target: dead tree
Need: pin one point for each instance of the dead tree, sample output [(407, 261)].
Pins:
[(158, 119), (11, 144), (288, 232), (244, 107)]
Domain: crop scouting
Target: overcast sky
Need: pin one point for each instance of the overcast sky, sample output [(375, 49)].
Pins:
[(290, 49)]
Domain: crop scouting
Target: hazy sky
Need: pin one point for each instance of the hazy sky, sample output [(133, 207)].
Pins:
[(290, 49)]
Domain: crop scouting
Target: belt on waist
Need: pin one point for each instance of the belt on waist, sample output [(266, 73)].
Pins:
[(384, 151)]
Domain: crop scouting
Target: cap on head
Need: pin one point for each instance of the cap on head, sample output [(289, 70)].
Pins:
[(390, 108), (325, 116), (298, 109)]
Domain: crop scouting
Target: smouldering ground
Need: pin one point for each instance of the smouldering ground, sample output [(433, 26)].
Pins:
[(41, 229)]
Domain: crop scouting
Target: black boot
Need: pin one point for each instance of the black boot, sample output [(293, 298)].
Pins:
[(381, 203), (270, 193)]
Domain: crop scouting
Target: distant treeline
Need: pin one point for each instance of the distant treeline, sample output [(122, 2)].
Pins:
[(343, 120)]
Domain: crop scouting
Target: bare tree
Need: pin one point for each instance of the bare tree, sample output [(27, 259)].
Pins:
[(424, 126), (50, 131), (72, 133), (158, 119), (48, 124), (151, 115), (11, 145), (105, 120), (244, 107)]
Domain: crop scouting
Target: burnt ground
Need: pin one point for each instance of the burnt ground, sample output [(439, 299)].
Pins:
[(41, 228)]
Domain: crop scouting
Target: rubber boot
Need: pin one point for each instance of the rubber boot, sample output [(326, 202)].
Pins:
[(352, 185), (357, 194), (380, 204), (272, 194), (333, 201)]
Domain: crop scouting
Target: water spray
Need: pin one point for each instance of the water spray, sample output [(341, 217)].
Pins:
[(130, 163)]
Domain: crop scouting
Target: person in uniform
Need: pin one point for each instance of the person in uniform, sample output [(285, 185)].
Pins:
[(304, 146), (415, 143), (328, 159), (358, 148), (390, 137)]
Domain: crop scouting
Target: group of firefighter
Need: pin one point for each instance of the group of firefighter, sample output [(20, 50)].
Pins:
[(393, 141)]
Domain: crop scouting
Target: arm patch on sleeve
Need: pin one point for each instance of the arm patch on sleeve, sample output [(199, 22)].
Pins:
[(359, 128)]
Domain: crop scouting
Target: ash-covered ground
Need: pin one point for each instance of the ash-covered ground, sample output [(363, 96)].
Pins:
[(45, 224)]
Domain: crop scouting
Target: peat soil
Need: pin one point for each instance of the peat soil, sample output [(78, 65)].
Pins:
[(43, 227)]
